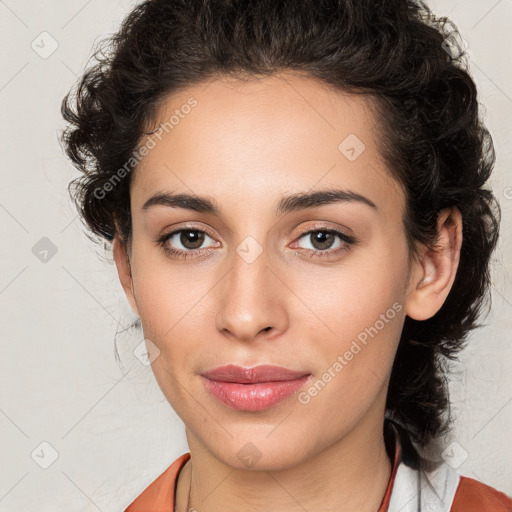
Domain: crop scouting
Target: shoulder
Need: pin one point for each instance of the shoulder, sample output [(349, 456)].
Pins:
[(475, 496), (159, 495), (444, 490), (440, 488)]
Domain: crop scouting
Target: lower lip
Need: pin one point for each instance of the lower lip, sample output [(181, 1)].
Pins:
[(253, 397)]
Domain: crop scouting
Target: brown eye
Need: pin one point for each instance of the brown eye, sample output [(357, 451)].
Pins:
[(326, 242), (322, 240), (191, 238), (184, 242)]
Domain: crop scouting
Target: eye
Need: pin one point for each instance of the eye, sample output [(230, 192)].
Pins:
[(326, 242), (190, 240)]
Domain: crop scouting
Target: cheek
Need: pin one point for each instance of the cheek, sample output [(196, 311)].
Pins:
[(347, 301), (177, 315), (167, 294), (352, 367), (356, 327), (171, 308)]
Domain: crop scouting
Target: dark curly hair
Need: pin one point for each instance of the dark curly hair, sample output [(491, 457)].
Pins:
[(397, 52)]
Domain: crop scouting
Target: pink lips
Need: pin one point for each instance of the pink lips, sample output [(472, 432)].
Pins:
[(253, 389)]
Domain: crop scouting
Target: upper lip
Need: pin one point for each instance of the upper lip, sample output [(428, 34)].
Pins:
[(245, 375)]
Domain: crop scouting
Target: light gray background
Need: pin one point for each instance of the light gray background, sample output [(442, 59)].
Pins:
[(60, 383)]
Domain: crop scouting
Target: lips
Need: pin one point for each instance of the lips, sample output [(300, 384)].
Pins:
[(253, 389), (256, 374)]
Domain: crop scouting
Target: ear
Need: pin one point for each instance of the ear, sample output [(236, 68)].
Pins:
[(433, 271), (124, 271)]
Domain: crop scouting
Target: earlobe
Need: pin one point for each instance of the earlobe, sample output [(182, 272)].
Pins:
[(124, 271), (435, 268)]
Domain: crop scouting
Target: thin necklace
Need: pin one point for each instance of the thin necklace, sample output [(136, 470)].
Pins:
[(189, 489), (194, 510)]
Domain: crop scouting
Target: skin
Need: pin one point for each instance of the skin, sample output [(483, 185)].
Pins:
[(246, 145)]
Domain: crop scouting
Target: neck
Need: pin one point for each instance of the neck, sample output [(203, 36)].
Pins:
[(352, 474)]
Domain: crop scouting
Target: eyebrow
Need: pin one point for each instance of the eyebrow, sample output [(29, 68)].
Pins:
[(291, 203)]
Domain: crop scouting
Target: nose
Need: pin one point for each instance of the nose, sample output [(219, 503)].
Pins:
[(251, 300)]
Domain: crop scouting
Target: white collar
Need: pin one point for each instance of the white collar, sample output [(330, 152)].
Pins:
[(416, 490)]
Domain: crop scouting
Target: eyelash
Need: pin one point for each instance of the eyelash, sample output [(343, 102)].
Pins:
[(177, 253)]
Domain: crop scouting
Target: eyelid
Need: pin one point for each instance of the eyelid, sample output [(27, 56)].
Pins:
[(177, 229), (322, 226)]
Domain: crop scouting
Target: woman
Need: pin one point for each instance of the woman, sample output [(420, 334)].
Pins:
[(295, 196)]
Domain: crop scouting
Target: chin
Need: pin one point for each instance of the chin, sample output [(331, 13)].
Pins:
[(255, 453)]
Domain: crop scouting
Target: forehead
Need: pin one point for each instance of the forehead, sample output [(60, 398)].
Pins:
[(267, 137)]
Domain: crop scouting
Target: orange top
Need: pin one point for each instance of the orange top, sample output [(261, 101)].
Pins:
[(159, 496), (474, 496), (471, 495)]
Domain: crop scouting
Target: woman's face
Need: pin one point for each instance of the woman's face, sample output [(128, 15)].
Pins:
[(246, 285)]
